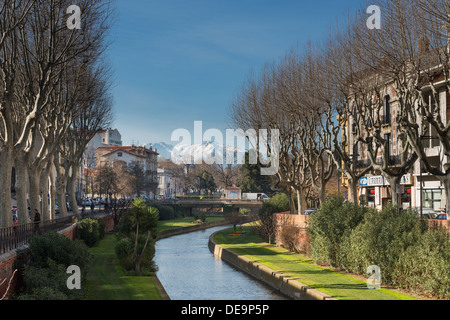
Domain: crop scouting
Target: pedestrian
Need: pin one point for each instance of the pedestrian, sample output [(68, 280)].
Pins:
[(83, 212), (37, 221), (92, 206)]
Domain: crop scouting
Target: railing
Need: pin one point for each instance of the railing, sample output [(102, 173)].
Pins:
[(15, 237)]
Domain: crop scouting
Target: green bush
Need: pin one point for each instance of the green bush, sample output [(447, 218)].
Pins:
[(328, 228), (44, 274), (165, 212), (277, 204), (124, 251), (92, 231), (425, 266), (59, 249), (47, 283), (380, 240), (138, 252)]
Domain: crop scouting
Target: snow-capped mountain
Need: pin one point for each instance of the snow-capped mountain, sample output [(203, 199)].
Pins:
[(162, 148), (208, 150)]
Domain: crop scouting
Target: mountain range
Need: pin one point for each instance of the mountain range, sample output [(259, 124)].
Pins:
[(211, 148)]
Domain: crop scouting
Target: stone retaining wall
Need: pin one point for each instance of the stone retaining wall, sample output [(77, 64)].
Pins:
[(287, 286)]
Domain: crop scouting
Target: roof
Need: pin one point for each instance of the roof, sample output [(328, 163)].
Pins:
[(133, 150)]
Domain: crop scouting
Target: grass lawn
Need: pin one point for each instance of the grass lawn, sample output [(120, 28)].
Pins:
[(299, 267), (106, 280), (184, 222)]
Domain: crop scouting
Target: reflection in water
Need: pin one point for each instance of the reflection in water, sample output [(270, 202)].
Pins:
[(188, 271)]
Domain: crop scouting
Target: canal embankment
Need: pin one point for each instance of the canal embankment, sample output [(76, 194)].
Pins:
[(284, 284), (188, 271)]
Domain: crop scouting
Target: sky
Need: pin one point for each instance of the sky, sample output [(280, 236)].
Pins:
[(176, 62)]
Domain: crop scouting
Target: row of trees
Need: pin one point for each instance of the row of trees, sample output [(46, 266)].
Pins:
[(54, 97), (209, 178), (331, 101), (119, 181)]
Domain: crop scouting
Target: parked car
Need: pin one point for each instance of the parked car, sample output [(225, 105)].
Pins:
[(442, 216), (428, 213), (310, 211)]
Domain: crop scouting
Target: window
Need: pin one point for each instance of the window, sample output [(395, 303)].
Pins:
[(387, 137), (119, 154), (387, 110), (431, 137), (432, 199)]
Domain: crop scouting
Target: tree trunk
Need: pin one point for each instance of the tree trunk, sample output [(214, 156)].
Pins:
[(44, 194), (301, 198), (321, 192), (61, 186), (139, 259), (52, 195), (71, 191), (353, 192), (290, 195), (6, 162), (393, 182), (21, 192), (33, 178)]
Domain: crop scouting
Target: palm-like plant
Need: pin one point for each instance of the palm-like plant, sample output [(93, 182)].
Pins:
[(144, 219)]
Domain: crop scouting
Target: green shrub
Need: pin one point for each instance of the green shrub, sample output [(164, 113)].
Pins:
[(425, 266), (59, 249), (90, 231), (201, 217), (138, 252), (124, 251), (328, 228), (277, 204), (44, 274), (47, 283), (43, 294), (166, 213), (380, 240)]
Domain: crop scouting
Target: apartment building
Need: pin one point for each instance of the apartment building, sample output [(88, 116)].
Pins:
[(417, 185), (122, 156)]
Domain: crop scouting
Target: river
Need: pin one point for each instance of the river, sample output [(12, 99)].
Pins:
[(189, 271)]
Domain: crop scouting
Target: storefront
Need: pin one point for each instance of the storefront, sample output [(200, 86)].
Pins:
[(376, 192)]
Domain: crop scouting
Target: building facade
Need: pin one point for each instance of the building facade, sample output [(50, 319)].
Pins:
[(417, 186), (169, 186), (123, 156)]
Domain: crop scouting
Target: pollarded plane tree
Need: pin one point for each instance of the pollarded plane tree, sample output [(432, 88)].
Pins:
[(374, 106), (12, 19), (39, 51)]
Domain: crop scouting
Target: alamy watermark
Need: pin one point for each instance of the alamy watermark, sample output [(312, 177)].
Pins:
[(229, 148), (374, 281), (74, 21), (74, 280), (374, 21)]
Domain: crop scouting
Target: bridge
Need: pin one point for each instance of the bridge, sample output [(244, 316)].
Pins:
[(214, 204)]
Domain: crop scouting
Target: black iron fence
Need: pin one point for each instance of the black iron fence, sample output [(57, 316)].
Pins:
[(15, 237)]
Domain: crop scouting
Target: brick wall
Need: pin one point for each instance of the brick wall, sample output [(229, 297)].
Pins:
[(291, 233)]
